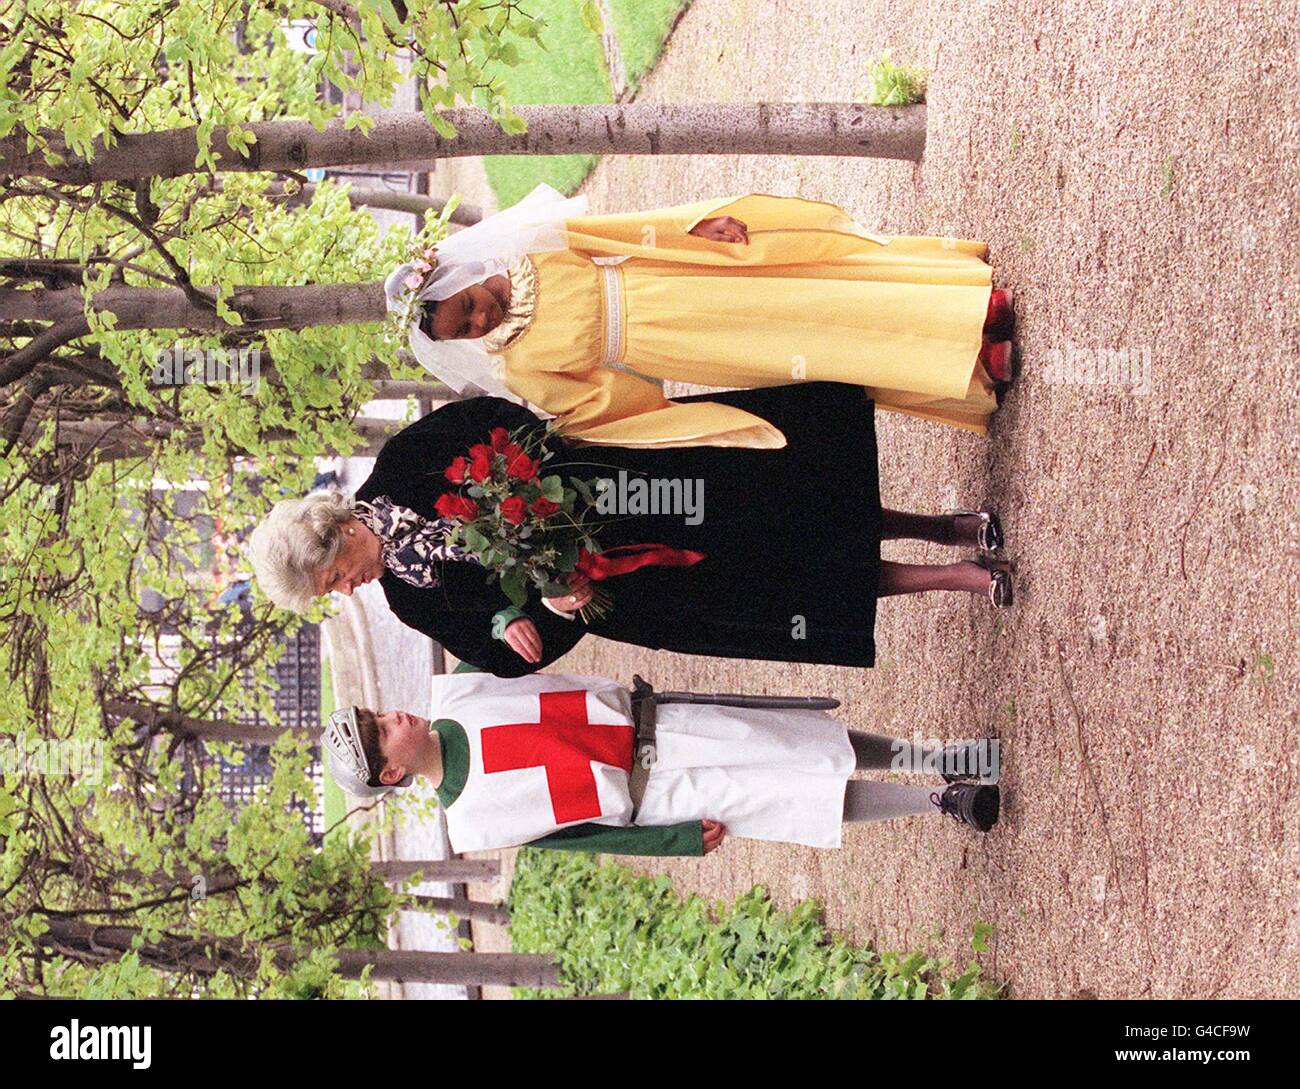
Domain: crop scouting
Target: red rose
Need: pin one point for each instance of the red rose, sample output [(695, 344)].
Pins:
[(519, 464), (456, 471), (512, 510), (543, 507), (451, 505), (480, 463), (500, 439)]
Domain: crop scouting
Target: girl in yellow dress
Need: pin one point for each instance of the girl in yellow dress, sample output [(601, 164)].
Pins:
[(587, 316)]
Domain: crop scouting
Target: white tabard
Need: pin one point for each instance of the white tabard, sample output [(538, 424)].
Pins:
[(548, 751), (764, 773)]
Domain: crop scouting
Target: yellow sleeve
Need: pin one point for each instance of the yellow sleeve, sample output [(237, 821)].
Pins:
[(781, 230), (626, 232), (617, 409)]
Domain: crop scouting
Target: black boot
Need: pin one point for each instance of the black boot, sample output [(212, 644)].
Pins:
[(965, 756), (975, 804)]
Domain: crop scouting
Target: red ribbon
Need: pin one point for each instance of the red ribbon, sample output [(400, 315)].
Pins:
[(626, 558)]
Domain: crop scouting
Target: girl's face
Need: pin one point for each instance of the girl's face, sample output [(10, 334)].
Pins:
[(467, 315)]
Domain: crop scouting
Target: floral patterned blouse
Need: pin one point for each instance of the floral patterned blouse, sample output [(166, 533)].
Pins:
[(411, 546)]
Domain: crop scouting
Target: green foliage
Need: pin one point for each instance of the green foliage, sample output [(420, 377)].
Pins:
[(615, 931), (565, 65), (895, 84), (136, 835), (91, 71)]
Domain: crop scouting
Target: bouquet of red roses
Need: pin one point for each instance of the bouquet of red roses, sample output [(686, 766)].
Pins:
[(525, 528)]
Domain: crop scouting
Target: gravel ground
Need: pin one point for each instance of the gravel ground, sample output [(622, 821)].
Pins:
[(1132, 167)]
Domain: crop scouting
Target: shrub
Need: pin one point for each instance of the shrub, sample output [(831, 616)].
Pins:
[(614, 931)]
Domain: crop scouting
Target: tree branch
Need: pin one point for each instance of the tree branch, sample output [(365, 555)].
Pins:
[(20, 363)]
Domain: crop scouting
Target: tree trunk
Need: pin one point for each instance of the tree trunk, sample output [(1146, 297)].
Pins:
[(168, 308), (414, 966), (438, 869), (395, 389), (784, 128), (463, 908), (92, 943), (201, 729), (112, 440), (465, 215), (360, 196)]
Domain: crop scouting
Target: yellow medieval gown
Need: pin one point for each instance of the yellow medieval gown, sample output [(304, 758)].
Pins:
[(593, 330)]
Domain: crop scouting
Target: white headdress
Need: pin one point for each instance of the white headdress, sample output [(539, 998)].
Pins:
[(340, 741), (535, 225)]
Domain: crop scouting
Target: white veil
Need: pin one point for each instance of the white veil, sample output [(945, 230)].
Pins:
[(534, 225)]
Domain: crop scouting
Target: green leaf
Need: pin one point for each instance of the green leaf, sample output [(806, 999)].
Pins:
[(513, 585), (592, 18)]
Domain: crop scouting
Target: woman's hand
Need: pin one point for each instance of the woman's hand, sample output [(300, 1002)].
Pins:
[(578, 597), (524, 639), (721, 229), (714, 833)]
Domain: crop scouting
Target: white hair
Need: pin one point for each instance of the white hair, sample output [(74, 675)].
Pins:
[(298, 538)]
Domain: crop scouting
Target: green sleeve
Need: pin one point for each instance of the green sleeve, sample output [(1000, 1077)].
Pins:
[(666, 839), (468, 667), (504, 618)]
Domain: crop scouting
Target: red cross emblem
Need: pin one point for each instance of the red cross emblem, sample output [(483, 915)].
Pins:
[(565, 744)]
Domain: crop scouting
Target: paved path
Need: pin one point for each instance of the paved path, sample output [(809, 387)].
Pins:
[(1133, 168)]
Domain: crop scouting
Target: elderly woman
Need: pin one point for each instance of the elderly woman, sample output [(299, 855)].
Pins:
[(790, 538)]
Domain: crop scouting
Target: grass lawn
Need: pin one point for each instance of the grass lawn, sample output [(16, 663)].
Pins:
[(335, 803), (571, 70)]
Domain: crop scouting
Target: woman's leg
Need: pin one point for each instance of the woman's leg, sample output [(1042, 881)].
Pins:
[(944, 529), (917, 578)]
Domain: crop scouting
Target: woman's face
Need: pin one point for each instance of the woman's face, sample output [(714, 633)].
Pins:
[(467, 315), (359, 560)]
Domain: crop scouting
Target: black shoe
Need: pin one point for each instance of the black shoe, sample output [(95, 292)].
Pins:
[(964, 755), (989, 535), (975, 804)]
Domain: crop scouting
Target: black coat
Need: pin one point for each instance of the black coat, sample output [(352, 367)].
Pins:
[(791, 536)]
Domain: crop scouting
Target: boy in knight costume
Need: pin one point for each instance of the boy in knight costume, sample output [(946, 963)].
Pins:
[(583, 763)]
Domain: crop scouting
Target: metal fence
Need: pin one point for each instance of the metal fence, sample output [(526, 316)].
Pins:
[(297, 703)]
